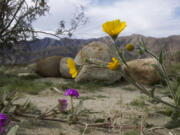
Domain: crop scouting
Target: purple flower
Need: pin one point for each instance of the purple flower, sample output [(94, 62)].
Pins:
[(62, 104), (1, 128), (4, 120), (72, 92)]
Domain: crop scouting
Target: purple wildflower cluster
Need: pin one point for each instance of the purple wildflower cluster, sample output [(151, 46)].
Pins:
[(4, 120), (63, 104), (72, 92)]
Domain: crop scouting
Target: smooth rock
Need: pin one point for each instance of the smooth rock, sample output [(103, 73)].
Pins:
[(97, 74), (100, 54), (142, 70), (64, 70), (96, 51), (49, 67)]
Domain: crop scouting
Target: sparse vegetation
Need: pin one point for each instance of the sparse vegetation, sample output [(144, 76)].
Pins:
[(86, 98), (101, 96), (25, 84), (87, 131), (131, 133), (167, 111), (139, 102), (86, 86), (130, 88)]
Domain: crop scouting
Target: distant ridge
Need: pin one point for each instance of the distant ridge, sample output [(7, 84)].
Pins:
[(41, 48)]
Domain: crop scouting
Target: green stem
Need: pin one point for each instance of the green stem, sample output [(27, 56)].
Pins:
[(146, 92), (166, 76), (46, 113), (72, 107), (119, 53), (140, 86)]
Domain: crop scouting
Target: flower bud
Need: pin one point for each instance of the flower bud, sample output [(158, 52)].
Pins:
[(129, 47)]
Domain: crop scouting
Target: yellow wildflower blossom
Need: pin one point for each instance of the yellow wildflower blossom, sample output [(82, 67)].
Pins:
[(113, 28), (72, 67), (113, 65), (129, 47)]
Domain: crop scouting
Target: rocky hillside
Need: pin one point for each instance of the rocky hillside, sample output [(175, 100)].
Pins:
[(40, 48), (169, 44)]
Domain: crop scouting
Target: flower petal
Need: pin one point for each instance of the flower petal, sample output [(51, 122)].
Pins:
[(113, 65), (72, 67), (113, 28)]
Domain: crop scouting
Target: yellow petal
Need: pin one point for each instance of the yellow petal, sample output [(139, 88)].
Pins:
[(73, 72), (113, 65), (121, 26), (113, 28), (70, 63), (72, 67), (114, 59), (110, 66), (74, 75)]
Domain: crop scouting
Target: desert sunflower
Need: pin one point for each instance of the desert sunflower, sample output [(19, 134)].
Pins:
[(113, 65), (72, 67), (113, 28)]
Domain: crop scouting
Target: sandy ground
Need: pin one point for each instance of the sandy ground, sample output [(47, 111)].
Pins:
[(108, 102)]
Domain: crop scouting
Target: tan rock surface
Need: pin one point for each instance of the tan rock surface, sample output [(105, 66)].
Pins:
[(63, 68), (49, 67), (99, 53), (95, 50), (142, 70)]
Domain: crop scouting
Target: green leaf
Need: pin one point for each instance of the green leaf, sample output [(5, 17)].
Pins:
[(178, 95), (161, 57), (4, 96), (175, 114), (122, 59), (172, 124), (178, 79), (142, 46), (99, 120), (152, 91), (12, 109), (13, 130), (158, 70), (140, 51)]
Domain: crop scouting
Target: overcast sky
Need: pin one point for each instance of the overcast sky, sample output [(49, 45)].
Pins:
[(157, 18)]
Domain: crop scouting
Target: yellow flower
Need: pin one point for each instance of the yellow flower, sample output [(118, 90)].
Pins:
[(72, 67), (113, 65), (129, 47), (113, 28)]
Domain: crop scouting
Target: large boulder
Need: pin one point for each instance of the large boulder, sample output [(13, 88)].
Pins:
[(99, 53), (64, 70), (94, 73), (49, 67), (96, 51), (142, 70)]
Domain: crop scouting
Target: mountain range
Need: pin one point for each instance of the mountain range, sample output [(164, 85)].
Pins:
[(41, 48)]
